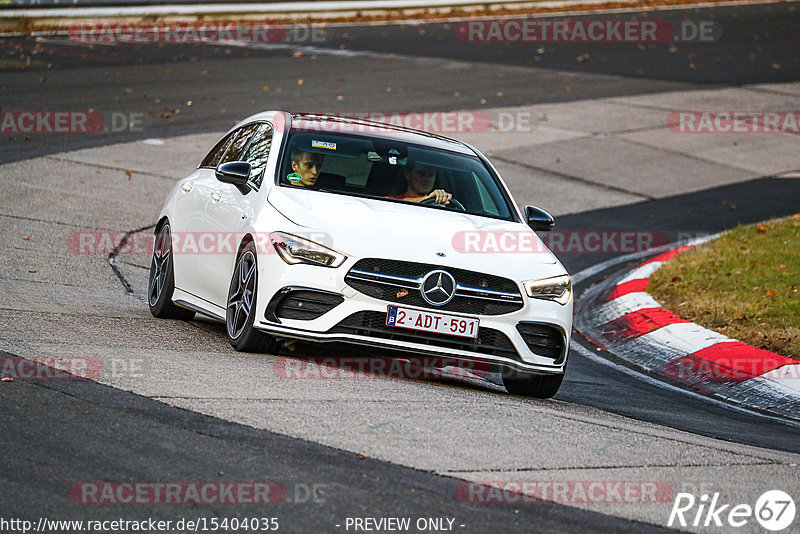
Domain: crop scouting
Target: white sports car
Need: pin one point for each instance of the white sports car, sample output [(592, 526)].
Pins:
[(316, 228)]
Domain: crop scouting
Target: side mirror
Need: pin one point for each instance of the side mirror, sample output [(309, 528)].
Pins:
[(234, 172), (538, 219)]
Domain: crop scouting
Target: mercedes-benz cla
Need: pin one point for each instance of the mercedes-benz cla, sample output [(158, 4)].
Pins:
[(317, 228)]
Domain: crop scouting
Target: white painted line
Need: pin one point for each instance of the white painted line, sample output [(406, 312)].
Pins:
[(644, 271), (787, 376), (580, 276), (685, 338), (583, 351), (630, 302)]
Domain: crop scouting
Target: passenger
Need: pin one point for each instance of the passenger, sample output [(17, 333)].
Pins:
[(420, 179), (307, 165)]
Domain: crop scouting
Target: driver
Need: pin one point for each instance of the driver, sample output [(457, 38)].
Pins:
[(420, 180), (307, 165)]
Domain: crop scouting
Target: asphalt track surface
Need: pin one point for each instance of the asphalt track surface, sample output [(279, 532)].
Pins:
[(87, 431)]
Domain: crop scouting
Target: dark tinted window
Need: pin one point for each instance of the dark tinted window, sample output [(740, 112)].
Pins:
[(257, 152), (213, 157), (239, 142)]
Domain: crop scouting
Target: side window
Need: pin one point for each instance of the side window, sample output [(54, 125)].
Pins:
[(213, 157), (257, 152), (240, 139)]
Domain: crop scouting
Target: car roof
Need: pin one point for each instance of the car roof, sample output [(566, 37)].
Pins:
[(367, 128)]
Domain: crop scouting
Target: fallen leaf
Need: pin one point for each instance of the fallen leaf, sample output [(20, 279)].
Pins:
[(86, 413), (676, 278), (770, 293), (129, 174)]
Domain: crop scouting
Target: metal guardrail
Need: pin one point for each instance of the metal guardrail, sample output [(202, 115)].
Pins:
[(33, 4)]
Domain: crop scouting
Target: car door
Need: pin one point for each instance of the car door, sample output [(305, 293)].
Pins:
[(189, 209), (227, 213)]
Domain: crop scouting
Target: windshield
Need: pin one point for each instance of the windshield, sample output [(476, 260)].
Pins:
[(393, 171)]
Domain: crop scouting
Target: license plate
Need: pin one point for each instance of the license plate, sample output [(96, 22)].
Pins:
[(425, 321)]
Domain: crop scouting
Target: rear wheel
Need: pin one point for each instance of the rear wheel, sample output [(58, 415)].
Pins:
[(162, 279), (531, 385), (241, 306)]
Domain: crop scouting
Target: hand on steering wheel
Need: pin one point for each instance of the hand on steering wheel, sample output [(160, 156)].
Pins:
[(453, 203)]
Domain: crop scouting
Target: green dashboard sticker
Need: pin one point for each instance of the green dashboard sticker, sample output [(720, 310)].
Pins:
[(294, 177)]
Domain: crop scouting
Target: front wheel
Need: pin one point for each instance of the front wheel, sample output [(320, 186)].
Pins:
[(531, 385), (241, 306)]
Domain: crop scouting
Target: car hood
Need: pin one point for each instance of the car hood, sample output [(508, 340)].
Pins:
[(363, 227)]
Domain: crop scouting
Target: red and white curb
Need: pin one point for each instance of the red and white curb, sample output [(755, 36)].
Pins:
[(619, 316)]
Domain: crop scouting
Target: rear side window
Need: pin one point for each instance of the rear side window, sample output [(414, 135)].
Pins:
[(213, 157), (257, 152), (230, 147), (239, 142)]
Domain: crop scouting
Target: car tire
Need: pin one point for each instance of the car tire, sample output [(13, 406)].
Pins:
[(241, 306), (531, 385), (161, 283)]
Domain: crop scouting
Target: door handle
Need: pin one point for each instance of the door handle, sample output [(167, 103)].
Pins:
[(215, 197), (186, 187)]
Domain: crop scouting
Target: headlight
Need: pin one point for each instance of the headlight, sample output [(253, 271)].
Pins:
[(295, 250), (557, 288)]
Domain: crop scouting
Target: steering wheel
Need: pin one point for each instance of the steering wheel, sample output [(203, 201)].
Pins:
[(454, 204)]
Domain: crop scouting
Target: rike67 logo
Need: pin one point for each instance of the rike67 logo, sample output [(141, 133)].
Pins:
[(774, 510)]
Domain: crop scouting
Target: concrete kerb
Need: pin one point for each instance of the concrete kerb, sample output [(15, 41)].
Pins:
[(620, 317)]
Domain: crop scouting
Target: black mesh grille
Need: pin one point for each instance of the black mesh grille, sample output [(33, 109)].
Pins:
[(306, 305), (373, 324), (542, 339), (459, 304)]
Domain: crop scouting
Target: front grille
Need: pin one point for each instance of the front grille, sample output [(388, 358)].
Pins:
[(543, 340), (476, 293), (373, 324), (303, 304)]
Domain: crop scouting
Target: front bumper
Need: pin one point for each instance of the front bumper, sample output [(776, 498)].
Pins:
[(360, 319)]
